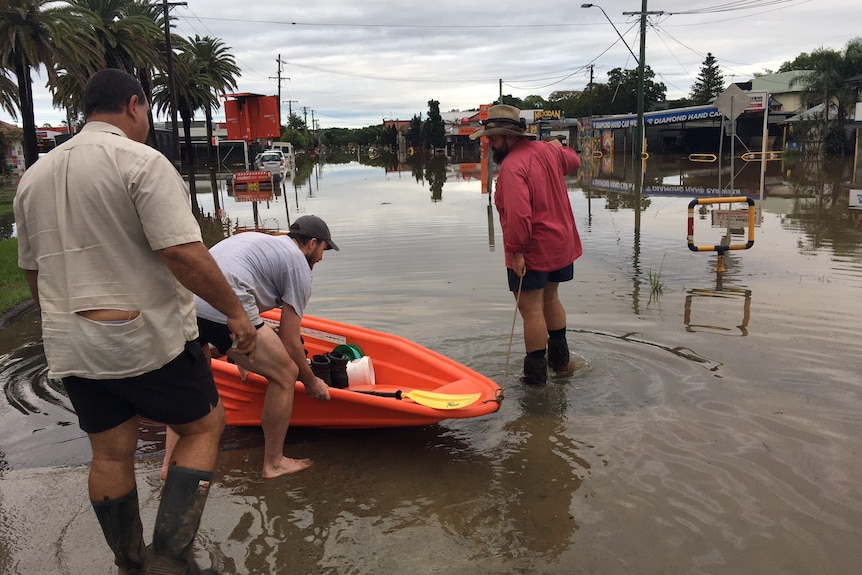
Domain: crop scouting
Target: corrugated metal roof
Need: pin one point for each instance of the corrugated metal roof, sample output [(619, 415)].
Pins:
[(779, 83)]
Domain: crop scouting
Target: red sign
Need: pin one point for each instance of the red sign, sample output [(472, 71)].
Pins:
[(249, 177)]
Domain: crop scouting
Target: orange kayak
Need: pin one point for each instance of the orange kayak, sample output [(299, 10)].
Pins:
[(413, 385)]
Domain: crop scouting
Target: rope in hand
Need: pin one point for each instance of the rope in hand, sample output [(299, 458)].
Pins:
[(512, 331)]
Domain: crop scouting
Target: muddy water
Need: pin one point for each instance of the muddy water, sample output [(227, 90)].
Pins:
[(717, 431)]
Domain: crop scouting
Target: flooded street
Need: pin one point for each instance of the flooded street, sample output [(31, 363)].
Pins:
[(718, 429)]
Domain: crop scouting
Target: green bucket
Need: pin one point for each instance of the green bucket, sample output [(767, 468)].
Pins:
[(349, 350)]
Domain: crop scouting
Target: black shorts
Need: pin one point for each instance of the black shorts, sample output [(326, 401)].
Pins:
[(538, 280), (216, 334), (179, 392)]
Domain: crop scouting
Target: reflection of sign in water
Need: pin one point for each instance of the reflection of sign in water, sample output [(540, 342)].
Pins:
[(721, 294), (253, 196)]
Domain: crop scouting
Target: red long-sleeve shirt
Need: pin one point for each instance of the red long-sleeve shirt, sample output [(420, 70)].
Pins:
[(533, 203)]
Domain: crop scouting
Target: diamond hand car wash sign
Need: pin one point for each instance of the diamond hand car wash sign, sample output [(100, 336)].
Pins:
[(251, 116)]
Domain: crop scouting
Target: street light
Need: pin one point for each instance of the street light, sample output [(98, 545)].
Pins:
[(615, 28)]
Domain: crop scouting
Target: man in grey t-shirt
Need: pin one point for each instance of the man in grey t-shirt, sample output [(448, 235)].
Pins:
[(267, 272)]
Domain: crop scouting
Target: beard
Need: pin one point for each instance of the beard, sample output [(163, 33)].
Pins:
[(499, 154)]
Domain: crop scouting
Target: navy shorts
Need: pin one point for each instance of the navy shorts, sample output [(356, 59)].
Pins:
[(216, 334), (534, 280), (181, 391)]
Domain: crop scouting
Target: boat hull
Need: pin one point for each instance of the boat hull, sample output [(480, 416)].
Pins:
[(399, 364)]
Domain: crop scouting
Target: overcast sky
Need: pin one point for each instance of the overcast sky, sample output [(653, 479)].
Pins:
[(352, 63)]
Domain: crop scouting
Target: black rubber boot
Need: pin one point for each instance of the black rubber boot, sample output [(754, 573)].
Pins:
[(338, 369), (558, 352), (535, 369), (121, 523), (322, 368), (177, 522)]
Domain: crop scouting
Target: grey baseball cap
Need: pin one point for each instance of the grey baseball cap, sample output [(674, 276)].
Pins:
[(312, 227)]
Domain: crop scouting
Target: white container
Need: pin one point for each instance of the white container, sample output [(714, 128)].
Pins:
[(360, 372)]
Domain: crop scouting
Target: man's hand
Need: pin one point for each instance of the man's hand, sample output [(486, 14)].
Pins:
[(318, 390), (244, 335), (194, 267), (519, 266)]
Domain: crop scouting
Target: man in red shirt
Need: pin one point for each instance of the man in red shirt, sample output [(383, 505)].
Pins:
[(540, 237)]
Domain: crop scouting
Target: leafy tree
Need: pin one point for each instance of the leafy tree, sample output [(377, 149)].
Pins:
[(414, 132), (572, 103), (435, 130), (389, 137), (36, 32), (619, 95), (534, 102), (510, 100), (825, 85), (709, 83), (801, 62)]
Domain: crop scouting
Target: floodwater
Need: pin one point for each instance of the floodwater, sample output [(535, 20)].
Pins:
[(719, 429)]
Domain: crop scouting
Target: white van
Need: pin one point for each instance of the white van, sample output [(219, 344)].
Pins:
[(285, 148)]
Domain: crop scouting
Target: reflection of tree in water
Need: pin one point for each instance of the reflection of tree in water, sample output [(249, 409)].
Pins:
[(417, 165), (619, 201), (435, 173), (821, 208)]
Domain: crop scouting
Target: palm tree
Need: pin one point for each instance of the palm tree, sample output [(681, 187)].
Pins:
[(826, 84), (34, 33), (203, 67), (185, 88), (218, 73), (8, 95), (128, 33)]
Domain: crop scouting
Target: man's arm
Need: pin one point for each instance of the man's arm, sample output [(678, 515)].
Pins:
[(33, 281), (195, 268)]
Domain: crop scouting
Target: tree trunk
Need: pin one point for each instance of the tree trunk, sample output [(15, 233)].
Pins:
[(28, 121), (212, 161), (190, 164)]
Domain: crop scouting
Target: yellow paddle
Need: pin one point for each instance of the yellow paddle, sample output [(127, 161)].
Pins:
[(430, 398)]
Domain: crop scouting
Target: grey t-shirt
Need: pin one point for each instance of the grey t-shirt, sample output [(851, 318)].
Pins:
[(265, 271)]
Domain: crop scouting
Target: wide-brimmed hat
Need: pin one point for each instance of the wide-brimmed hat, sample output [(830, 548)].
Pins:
[(504, 120), (312, 227)]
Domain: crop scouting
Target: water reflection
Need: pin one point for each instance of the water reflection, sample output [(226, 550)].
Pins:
[(718, 429)]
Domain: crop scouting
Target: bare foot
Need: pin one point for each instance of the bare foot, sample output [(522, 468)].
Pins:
[(285, 467), (318, 390)]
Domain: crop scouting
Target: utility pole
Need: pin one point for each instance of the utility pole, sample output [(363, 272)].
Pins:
[(279, 78), (289, 109), (639, 138), (166, 6)]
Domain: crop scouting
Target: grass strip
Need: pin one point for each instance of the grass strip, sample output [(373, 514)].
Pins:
[(13, 285)]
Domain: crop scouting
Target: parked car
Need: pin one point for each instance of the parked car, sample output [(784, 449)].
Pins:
[(272, 160)]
